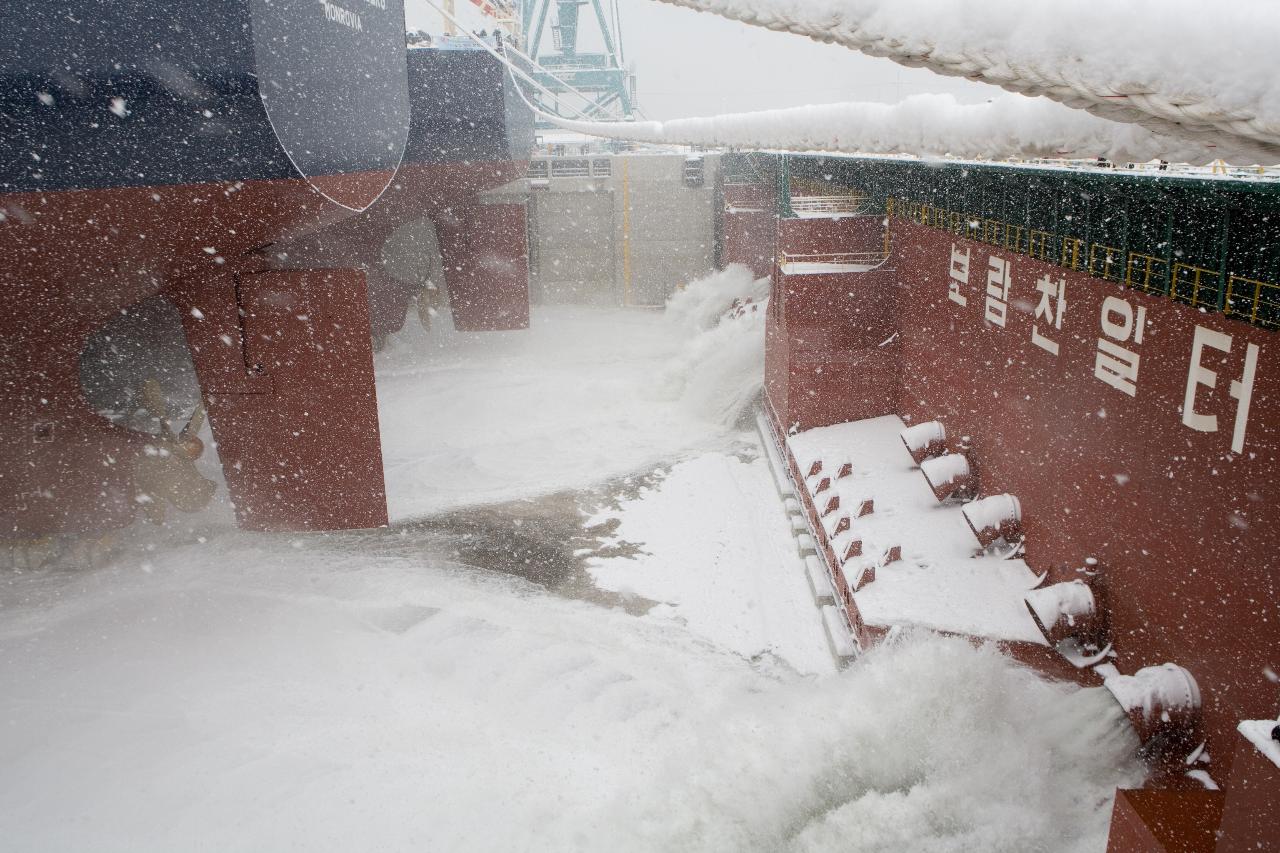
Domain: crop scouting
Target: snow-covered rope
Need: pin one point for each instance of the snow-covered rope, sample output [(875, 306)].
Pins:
[(925, 125), (1204, 72)]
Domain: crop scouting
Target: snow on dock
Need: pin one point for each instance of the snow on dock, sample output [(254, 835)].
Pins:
[(718, 551)]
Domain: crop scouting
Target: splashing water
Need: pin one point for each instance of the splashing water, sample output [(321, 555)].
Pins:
[(334, 692), (719, 372), (260, 697), (701, 303), (929, 745), (949, 748)]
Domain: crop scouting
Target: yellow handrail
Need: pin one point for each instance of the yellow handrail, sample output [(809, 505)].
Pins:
[(1148, 262), (1109, 255), (1038, 244), (1181, 272), (1070, 256), (993, 232), (1254, 301), (1013, 238)]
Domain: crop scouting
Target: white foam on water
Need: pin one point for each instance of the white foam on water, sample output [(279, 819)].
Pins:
[(469, 418), (718, 375), (701, 303), (719, 372), (268, 693)]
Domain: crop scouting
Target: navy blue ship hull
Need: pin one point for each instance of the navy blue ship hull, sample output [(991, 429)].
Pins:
[(150, 150)]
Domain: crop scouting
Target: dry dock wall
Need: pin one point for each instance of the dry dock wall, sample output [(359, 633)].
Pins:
[(1134, 429), (1086, 421), (1130, 444), (618, 230)]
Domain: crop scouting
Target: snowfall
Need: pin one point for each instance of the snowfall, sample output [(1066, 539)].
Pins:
[(1122, 70), (587, 628)]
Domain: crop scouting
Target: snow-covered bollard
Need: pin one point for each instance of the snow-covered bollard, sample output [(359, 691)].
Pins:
[(864, 576), (846, 546), (1064, 610), (810, 466), (924, 440), (817, 484), (835, 524), (1159, 700), (994, 517), (947, 474)]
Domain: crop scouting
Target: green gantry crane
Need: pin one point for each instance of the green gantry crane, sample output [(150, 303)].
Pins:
[(599, 76)]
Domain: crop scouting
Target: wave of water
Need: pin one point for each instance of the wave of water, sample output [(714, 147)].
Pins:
[(254, 696), (719, 372)]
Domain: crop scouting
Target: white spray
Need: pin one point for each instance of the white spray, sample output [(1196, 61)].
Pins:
[(720, 370)]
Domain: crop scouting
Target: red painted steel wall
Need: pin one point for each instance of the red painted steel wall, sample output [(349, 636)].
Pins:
[(1151, 821), (1251, 814), (831, 234), (1183, 525), (831, 355), (831, 352), (444, 192), (749, 230), (70, 261), (486, 257), (291, 399)]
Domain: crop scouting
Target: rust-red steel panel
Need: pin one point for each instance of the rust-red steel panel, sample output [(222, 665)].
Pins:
[(486, 256), (1073, 390), (286, 368), (1095, 442), (749, 227)]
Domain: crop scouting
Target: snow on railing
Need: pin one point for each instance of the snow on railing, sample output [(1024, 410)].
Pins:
[(1173, 66), (575, 168), (1213, 169), (832, 258), (1241, 125), (830, 262), (826, 204)]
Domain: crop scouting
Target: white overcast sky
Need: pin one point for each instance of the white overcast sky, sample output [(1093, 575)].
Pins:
[(689, 63)]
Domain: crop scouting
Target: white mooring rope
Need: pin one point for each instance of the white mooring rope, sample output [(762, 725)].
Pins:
[(1188, 85)]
